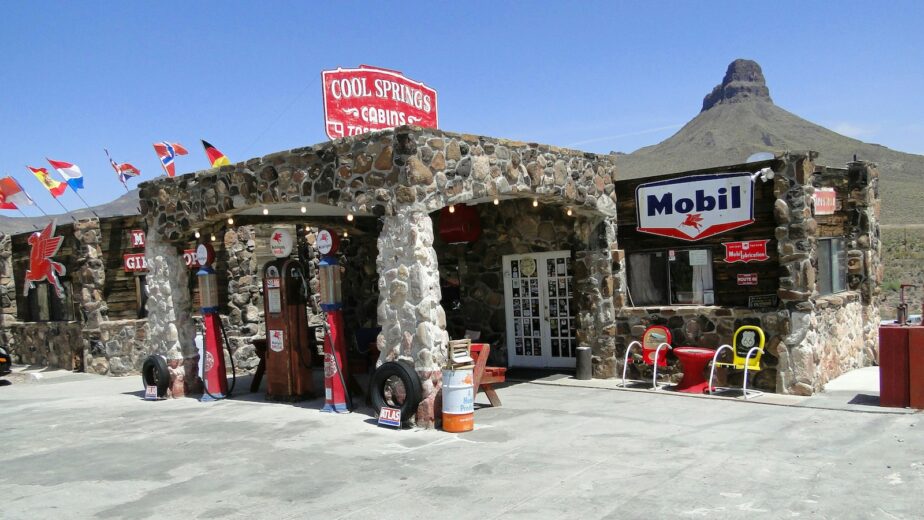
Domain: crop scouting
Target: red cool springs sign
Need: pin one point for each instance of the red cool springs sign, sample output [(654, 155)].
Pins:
[(362, 100), (693, 208)]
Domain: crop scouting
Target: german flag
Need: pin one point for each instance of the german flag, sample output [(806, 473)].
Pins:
[(215, 157)]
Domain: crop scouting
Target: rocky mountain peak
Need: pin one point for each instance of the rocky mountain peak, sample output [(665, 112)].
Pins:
[(743, 81)]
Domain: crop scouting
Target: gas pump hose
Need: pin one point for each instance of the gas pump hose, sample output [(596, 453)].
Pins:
[(233, 369)]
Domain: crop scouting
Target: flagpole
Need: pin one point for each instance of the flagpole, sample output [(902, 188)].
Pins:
[(27, 216), (73, 188), (66, 211)]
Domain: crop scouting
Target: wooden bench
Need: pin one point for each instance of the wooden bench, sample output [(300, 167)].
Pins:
[(486, 376)]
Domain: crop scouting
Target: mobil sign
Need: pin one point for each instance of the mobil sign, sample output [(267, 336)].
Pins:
[(693, 208), (361, 100)]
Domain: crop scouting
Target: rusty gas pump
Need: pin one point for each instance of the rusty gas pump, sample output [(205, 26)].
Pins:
[(336, 393), (289, 344)]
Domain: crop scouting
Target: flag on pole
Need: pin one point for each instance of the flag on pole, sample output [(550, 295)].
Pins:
[(215, 157), (13, 193), (70, 172), (54, 187), (4, 204), (167, 152), (123, 170)]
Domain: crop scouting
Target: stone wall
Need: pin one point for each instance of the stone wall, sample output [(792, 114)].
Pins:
[(53, 344), (90, 275), (117, 348), (7, 289)]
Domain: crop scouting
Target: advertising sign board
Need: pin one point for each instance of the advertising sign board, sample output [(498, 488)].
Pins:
[(747, 278), (134, 262), (696, 207), (825, 201), (362, 100), (747, 251)]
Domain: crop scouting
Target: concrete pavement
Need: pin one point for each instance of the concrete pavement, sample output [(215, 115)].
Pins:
[(82, 446)]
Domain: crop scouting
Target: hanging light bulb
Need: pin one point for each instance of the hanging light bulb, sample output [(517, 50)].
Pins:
[(230, 221), (265, 211), (496, 201), (345, 234), (307, 229), (213, 237), (198, 234), (452, 208), (304, 209), (569, 212), (535, 203)]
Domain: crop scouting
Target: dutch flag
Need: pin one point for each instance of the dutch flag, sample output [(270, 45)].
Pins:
[(70, 172)]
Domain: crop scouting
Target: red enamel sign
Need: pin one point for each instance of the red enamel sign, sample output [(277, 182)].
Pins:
[(696, 207), (362, 100), (134, 262), (41, 267), (190, 258), (747, 278), (748, 251), (825, 201), (137, 238)]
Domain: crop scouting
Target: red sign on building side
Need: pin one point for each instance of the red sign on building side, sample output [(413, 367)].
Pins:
[(137, 238), (748, 251), (362, 100), (825, 201), (134, 262), (747, 278)]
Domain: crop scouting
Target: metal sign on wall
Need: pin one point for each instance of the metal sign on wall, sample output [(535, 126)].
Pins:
[(362, 100), (134, 262), (693, 208), (746, 251), (825, 201)]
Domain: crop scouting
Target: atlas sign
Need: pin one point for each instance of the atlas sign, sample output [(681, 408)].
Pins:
[(693, 208), (362, 100)]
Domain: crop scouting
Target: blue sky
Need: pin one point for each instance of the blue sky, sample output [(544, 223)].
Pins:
[(599, 76)]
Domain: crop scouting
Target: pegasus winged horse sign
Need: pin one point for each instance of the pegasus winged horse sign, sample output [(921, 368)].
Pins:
[(41, 266)]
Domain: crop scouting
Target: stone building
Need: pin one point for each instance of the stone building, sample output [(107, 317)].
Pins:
[(554, 268)]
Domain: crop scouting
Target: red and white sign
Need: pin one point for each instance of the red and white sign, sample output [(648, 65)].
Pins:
[(281, 243), (137, 238), (748, 251), (134, 262), (327, 242), (693, 208), (41, 267), (190, 258), (825, 201), (747, 278), (390, 417), (362, 100), (205, 254)]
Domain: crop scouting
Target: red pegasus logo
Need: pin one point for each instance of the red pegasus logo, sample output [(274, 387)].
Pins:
[(693, 220), (41, 266)]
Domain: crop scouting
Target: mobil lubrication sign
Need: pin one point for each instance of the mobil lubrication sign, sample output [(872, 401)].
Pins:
[(693, 208)]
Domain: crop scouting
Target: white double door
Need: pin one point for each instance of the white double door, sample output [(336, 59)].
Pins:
[(540, 317)]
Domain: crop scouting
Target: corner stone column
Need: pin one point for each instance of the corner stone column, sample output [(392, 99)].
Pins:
[(593, 292), (412, 319), (7, 290), (91, 273), (171, 326)]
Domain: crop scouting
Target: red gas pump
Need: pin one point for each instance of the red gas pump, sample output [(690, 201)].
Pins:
[(213, 362), (336, 395), (289, 344)]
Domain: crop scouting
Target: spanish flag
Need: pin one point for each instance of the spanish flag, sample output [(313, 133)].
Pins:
[(56, 188), (215, 157)]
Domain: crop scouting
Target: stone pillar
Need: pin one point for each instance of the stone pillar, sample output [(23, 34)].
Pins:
[(91, 273), (171, 327), (413, 322), (593, 293), (7, 289), (796, 244), (864, 267)]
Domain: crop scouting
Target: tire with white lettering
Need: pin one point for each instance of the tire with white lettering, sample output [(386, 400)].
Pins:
[(154, 373), (396, 385)]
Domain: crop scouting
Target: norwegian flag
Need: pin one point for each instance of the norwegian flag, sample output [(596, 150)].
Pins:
[(123, 170), (167, 153)]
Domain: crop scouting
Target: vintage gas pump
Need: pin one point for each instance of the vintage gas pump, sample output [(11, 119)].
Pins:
[(289, 345), (336, 394), (214, 376)]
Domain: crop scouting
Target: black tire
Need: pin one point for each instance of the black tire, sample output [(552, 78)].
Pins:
[(154, 373), (381, 389)]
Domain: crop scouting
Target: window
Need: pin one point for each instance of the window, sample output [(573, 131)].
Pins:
[(832, 266), (674, 277), (43, 303)]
